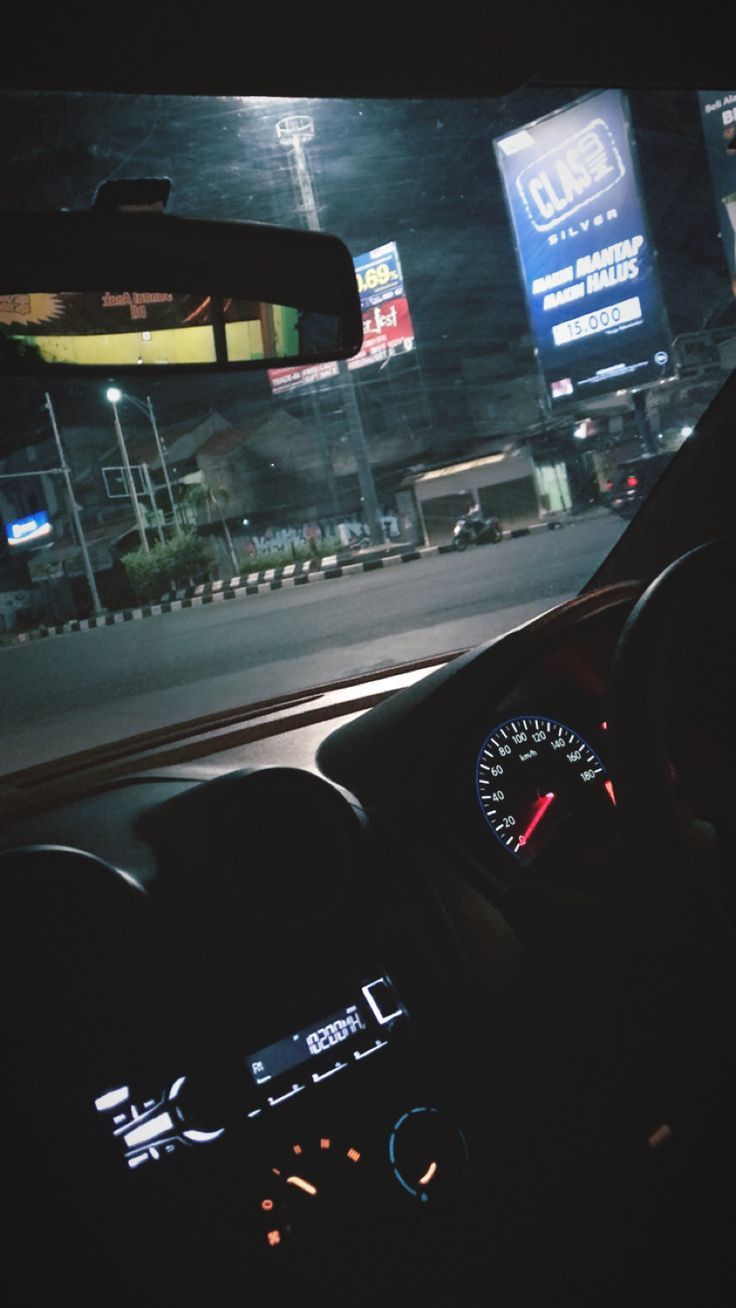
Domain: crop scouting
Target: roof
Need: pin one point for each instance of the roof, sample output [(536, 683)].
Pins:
[(223, 442), (470, 465), (452, 50), (142, 448), (191, 442)]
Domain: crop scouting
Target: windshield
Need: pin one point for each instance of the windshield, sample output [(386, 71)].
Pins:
[(548, 307)]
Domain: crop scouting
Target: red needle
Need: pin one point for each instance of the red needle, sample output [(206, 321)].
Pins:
[(540, 808)]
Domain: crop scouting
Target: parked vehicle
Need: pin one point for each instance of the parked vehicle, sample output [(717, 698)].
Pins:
[(475, 529)]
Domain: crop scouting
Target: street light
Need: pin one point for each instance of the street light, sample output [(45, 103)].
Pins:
[(115, 396), (147, 408)]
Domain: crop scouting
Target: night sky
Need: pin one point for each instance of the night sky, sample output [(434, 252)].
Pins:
[(419, 172)]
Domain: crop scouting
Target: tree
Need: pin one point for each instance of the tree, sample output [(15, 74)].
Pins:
[(201, 495)]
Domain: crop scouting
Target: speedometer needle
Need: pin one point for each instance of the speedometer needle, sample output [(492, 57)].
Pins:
[(540, 808), (301, 1184)]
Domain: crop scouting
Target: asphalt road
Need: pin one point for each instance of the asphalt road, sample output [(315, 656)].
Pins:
[(70, 692)]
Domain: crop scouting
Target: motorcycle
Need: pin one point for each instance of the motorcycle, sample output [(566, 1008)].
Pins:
[(475, 530)]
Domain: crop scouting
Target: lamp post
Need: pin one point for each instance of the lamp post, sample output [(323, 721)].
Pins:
[(147, 408), (293, 132), (115, 396)]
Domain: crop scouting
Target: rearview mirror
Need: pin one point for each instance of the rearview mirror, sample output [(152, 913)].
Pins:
[(152, 291)]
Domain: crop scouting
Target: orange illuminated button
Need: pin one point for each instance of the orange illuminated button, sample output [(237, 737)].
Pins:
[(267, 1205), (274, 1237), (353, 1155)]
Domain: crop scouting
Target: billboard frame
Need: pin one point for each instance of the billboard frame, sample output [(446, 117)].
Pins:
[(569, 407)]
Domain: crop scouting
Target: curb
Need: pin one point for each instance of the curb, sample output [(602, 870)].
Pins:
[(255, 583)]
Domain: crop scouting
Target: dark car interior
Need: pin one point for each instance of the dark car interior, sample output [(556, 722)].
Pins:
[(290, 1015)]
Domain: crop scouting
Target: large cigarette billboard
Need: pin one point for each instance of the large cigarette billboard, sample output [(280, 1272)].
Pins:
[(587, 262)]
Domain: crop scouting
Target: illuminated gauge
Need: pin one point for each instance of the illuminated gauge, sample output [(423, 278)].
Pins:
[(428, 1154), (316, 1186), (531, 776)]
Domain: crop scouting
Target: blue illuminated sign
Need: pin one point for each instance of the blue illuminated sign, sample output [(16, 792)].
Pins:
[(585, 255), (24, 530), (379, 275), (718, 115)]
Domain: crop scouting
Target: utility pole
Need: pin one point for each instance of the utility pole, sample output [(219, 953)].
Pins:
[(114, 396), (332, 495), (226, 532), (161, 455), (293, 132), (152, 496), (643, 426), (147, 408), (97, 608)]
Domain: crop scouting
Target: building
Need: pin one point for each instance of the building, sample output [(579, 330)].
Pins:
[(504, 483)]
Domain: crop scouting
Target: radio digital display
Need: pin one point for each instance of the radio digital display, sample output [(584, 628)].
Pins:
[(151, 1128), (375, 1006)]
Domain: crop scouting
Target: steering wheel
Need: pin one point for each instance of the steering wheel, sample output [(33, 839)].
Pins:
[(672, 716), (665, 673)]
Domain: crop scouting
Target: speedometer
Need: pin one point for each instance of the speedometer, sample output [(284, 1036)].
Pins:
[(532, 775)]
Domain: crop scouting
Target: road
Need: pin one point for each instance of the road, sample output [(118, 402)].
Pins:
[(71, 692)]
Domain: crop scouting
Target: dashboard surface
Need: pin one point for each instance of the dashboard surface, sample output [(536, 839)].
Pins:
[(289, 997)]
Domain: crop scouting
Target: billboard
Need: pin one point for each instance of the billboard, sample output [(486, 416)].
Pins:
[(378, 275), (718, 116), (284, 380), (586, 259), (89, 313), (387, 330), (387, 325), (96, 328)]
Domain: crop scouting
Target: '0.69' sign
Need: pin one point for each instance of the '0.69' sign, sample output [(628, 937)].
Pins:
[(379, 277)]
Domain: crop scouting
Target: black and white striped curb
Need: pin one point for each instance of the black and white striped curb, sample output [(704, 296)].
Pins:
[(255, 583)]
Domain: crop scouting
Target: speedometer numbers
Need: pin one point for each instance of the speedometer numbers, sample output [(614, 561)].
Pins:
[(532, 775)]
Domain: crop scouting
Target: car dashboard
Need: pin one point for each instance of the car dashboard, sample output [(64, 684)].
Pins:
[(299, 1014)]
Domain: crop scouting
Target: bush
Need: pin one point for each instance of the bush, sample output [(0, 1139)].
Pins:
[(187, 556), (142, 573), (182, 560)]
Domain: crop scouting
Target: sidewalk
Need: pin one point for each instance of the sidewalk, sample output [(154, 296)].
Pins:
[(345, 563)]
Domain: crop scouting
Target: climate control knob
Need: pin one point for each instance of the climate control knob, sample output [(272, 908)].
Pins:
[(428, 1154)]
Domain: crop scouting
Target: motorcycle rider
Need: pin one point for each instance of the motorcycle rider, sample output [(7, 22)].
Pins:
[(473, 527), (474, 516)]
